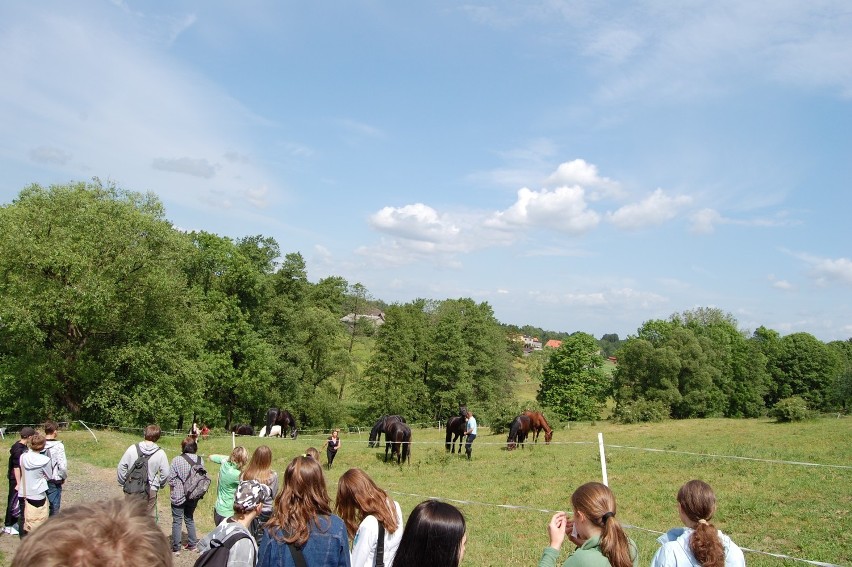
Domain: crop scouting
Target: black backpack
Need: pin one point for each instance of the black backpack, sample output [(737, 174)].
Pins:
[(217, 555), (197, 482), (137, 477)]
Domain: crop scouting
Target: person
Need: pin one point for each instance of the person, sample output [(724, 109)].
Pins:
[(55, 449), (230, 469), (364, 507), (13, 503), (599, 536), (260, 468), (194, 431), (248, 500), (698, 544), (35, 470), (302, 522), (158, 465), (332, 445), (84, 531), (434, 536), (205, 432), (183, 508), (312, 453), (470, 431)]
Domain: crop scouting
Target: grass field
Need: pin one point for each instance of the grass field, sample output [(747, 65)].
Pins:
[(790, 509)]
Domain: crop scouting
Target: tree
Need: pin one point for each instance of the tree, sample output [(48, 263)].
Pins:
[(804, 367), (573, 384), (841, 395), (97, 321)]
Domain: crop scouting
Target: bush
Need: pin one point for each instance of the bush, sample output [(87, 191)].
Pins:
[(791, 409), (499, 416), (641, 411)]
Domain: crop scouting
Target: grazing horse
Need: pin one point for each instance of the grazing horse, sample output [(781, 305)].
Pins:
[(518, 432), (456, 426), (242, 429), (382, 427), (284, 418), (538, 423), (398, 441)]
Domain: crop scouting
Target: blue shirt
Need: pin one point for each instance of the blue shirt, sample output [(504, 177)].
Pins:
[(327, 546)]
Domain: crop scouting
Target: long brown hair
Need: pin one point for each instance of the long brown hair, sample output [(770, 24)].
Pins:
[(260, 465), (597, 502), (301, 502), (358, 497), (698, 503)]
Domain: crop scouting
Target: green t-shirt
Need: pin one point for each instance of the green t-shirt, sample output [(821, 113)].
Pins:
[(229, 479), (589, 555)]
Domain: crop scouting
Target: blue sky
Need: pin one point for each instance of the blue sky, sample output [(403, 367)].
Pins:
[(578, 165)]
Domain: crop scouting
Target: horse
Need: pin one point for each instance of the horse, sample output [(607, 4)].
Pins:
[(284, 418), (242, 429), (518, 432), (380, 427), (538, 423), (398, 441), (456, 427), (274, 432)]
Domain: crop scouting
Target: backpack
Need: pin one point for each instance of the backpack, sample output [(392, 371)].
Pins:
[(219, 552), (197, 482), (137, 477)]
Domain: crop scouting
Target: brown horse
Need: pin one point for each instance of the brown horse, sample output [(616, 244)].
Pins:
[(539, 423), (518, 432)]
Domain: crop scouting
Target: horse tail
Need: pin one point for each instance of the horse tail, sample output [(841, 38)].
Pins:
[(406, 446), (373, 440), (271, 418)]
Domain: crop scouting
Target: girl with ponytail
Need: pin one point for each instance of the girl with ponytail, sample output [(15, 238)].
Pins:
[(594, 529), (699, 544)]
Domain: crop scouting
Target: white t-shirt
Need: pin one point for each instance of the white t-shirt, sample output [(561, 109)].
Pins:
[(364, 546)]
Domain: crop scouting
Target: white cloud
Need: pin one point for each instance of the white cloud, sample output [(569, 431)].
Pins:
[(580, 173), (49, 155), (197, 167), (705, 221), (829, 270), (654, 210), (563, 209), (783, 285), (617, 298), (415, 222)]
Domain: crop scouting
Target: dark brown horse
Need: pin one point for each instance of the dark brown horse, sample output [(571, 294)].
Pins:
[(398, 441), (277, 416), (518, 432), (538, 423), (243, 429), (380, 427)]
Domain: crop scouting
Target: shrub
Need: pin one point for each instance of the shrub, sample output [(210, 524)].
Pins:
[(640, 411), (791, 409)]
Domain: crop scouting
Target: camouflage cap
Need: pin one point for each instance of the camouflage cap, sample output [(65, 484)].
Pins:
[(250, 493)]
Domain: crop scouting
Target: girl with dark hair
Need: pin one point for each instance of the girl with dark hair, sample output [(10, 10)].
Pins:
[(260, 468), (433, 537), (368, 513), (594, 529), (302, 522), (699, 544)]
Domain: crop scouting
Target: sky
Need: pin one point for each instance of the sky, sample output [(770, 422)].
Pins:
[(579, 165)]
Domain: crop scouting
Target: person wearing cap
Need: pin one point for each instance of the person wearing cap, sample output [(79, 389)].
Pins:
[(248, 501), (13, 508)]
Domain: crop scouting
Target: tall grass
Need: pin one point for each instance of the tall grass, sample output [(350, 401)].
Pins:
[(797, 510)]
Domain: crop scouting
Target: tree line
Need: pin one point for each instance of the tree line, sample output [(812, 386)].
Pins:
[(698, 364), (110, 314)]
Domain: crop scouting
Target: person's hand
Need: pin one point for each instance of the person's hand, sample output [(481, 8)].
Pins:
[(556, 530), (569, 529)]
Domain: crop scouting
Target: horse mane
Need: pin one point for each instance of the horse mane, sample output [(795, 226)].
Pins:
[(513, 429), (546, 425)]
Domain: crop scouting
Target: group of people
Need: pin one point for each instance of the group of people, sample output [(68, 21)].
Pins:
[(37, 470), (602, 542), (259, 523)]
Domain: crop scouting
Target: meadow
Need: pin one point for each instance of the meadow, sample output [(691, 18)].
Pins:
[(771, 506)]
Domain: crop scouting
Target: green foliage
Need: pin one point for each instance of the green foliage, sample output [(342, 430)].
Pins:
[(641, 411), (806, 367), (791, 409), (573, 384)]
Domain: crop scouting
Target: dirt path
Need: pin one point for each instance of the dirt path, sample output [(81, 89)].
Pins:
[(93, 483)]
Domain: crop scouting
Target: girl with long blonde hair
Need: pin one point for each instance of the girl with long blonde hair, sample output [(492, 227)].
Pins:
[(259, 468), (230, 469), (368, 514)]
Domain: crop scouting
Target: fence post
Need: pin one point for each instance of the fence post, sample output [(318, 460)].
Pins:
[(603, 459)]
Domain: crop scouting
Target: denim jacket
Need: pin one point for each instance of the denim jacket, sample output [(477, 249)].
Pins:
[(327, 546)]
